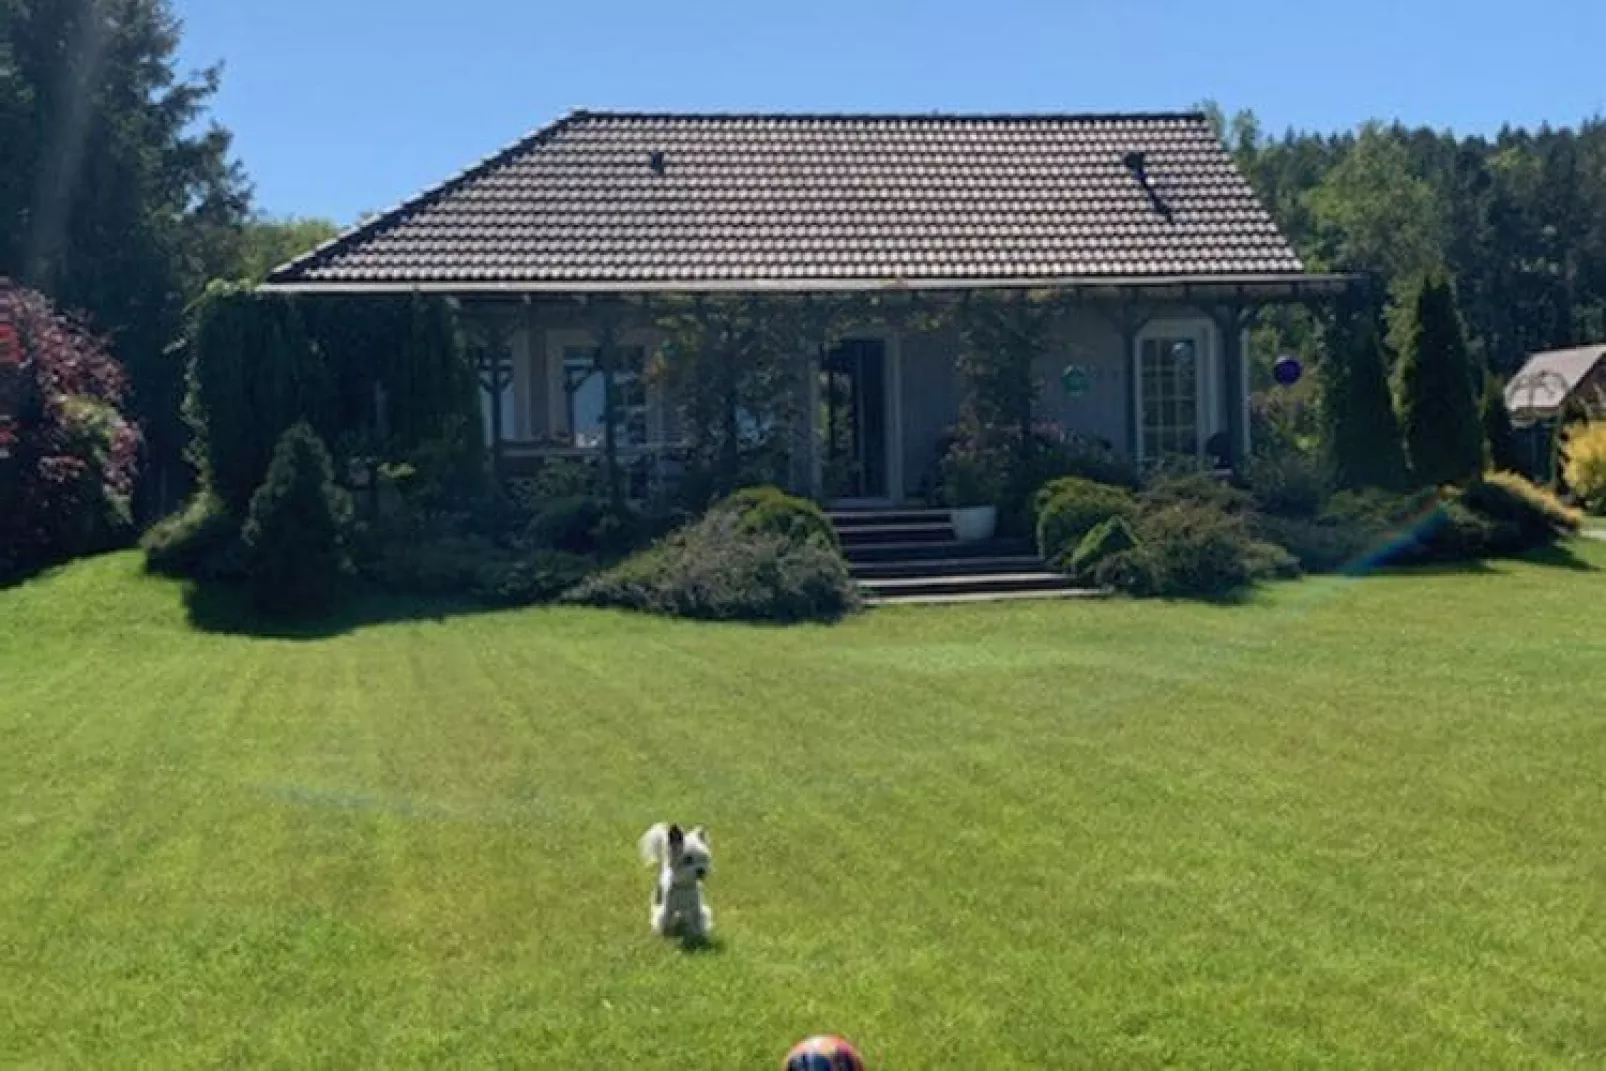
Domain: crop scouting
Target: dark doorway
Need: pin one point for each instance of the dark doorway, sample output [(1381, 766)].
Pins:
[(853, 420)]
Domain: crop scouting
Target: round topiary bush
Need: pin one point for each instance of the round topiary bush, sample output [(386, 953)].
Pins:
[(1074, 509)]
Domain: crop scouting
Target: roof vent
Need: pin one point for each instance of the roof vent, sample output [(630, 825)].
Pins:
[(655, 161), (1137, 162)]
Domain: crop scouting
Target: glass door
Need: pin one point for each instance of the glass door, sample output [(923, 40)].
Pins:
[(853, 421), (1170, 369)]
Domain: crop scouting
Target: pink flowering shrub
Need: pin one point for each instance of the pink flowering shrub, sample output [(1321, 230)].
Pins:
[(67, 454)]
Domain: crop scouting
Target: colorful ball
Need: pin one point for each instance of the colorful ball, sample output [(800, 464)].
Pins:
[(823, 1053), (1286, 370)]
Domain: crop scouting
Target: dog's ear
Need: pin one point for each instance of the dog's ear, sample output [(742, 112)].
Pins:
[(701, 833), (677, 839)]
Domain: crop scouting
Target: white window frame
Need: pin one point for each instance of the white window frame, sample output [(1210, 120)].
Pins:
[(1207, 408)]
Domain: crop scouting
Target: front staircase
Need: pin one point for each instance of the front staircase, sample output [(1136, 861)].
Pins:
[(911, 556)]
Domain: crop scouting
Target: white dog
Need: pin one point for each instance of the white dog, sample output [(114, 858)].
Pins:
[(683, 861)]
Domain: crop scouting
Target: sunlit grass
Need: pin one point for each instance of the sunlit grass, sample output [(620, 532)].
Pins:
[(1351, 822)]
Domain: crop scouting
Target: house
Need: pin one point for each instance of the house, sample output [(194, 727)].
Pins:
[(1140, 222), (1555, 383)]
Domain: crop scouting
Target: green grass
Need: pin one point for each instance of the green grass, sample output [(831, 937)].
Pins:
[(1350, 823)]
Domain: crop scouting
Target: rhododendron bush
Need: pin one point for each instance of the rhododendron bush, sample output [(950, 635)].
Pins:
[(67, 453)]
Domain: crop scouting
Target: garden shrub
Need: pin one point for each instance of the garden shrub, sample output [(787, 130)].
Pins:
[(445, 565), (1090, 459), (1539, 517), (1272, 561), (295, 533), (1110, 536), (717, 569), (1073, 510), (1320, 544), (584, 524), (1187, 550), (1584, 467), (200, 542), (1288, 483), (1187, 484), (1131, 572), (525, 580), (1456, 533), (769, 509), (555, 478), (67, 454)]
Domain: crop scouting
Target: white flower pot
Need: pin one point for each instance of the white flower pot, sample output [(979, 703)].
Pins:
[(974, 523)]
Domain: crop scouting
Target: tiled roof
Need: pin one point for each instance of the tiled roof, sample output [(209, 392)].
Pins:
[(1546, 379), (613, 199)]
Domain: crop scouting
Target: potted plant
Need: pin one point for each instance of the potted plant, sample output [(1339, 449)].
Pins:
[(971, 496)]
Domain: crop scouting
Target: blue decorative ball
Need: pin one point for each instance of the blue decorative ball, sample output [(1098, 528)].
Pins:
[(1287, 370)]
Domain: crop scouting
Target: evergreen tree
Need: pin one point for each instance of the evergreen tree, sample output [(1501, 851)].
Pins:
[(1438, 404), (1360, 434), (1497, 430), (117, 197), (296, 533)]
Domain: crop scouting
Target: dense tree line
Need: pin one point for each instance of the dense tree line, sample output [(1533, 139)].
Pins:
[(119, 197), (1517, 221)]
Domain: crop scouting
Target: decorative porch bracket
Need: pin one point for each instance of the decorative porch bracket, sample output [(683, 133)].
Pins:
[(491, 327)]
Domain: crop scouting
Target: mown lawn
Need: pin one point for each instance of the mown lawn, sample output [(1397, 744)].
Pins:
[(1349, 823)]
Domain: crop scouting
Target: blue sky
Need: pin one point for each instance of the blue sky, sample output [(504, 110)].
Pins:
[(345, 106)]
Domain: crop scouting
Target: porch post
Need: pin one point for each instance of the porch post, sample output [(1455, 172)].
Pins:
[(800, 467), (607, 360), (1231, 321)]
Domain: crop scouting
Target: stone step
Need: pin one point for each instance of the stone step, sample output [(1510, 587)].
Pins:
[(985, 583), (970, 565), (928, 550), (860, 518), (944, 598), (924, 532)]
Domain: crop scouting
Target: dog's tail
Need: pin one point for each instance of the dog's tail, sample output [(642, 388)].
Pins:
[(655, 844)]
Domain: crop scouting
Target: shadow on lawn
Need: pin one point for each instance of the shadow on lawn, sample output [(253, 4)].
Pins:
[(227, 609), (1555, 556), (702, 946)]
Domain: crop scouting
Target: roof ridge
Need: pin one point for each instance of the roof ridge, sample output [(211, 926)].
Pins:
[(852, 116)]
